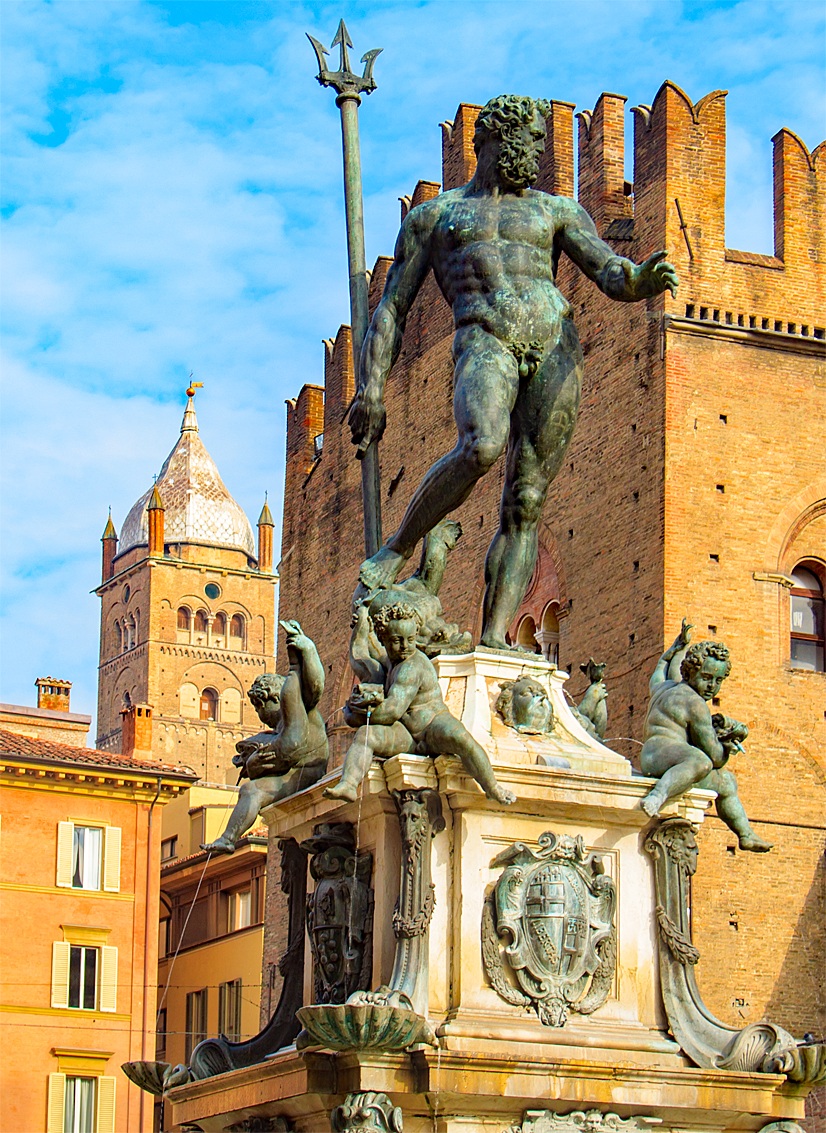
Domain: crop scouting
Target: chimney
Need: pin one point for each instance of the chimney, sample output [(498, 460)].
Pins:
[(109, 540), (136, 731), (155, 509), (53, 694), (265, 526)]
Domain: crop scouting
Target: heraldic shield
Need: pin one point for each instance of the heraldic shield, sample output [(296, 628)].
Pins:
[(553, 909)]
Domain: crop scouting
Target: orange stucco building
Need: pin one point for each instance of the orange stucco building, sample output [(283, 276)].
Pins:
[(79, 928)]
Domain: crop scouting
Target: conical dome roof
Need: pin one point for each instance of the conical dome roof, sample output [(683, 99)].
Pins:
[(198, 508)]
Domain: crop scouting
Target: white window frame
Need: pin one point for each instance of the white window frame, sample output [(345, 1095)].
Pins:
[(237, 907), (109, 868), (85, 955), (104, 1107), (107, 975)]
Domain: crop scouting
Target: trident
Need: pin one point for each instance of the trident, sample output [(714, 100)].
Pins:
[(349, 88)]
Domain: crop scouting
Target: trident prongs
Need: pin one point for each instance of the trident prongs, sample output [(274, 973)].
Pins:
[(343, 80)]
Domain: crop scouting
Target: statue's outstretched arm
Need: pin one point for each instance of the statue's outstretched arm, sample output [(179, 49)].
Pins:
[(366, 667), (616, 276), (383, 340), (668, 666), (305, 660)]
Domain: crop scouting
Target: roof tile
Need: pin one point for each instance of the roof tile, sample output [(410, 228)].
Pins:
[(27, 747)]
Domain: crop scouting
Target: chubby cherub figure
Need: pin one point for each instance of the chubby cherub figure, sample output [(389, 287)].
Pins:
[(399, 707), (290, 757), (685, 746)]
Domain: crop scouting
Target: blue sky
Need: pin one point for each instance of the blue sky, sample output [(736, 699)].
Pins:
[(172, 202)]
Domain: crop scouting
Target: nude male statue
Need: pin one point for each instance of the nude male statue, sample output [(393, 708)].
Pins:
[(684, 744), (493, 246)]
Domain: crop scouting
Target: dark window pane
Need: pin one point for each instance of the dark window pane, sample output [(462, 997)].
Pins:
[(807, 655), (75, 964), (90, 978)]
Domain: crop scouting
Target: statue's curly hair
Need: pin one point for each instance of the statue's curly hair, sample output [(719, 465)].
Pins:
[(396, 612), (697, 654), (504, 114), (266, 686)]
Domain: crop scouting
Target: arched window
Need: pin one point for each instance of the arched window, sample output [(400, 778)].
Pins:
[(807, 629), (548, 635), (182, 631), (209, 704), (236, 631), (219, 630), (117, 634), (526, 635), (200, 627), (131, 635)]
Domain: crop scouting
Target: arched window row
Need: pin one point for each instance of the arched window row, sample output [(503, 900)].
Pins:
[(126, 632), (218, 630), (210, 705), (808, 625), (544, 638)]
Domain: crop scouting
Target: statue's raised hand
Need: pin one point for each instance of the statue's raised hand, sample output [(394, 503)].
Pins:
[(653, 277), (295, 637), (681, 641), (367, 420)]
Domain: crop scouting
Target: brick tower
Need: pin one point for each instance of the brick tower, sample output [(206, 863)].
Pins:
[(187, 617), (693, 486)]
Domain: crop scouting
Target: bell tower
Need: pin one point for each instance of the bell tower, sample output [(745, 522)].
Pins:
[(187, 617)]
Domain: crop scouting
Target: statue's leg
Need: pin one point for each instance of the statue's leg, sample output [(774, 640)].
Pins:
[(251, 798), (541, 428), (733, 813), (377, 739), (485, 386), (679, 766), (445, 735)]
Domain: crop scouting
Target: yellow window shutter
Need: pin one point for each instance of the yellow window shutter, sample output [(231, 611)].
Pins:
[(56, 1103), (108, 978), (106, 1105), (111, 860), (60, 973), (65, 845)]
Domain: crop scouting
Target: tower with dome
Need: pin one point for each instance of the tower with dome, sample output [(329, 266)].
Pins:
[(187, 616)]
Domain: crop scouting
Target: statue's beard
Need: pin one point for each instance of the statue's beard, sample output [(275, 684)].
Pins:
[(517, 166)]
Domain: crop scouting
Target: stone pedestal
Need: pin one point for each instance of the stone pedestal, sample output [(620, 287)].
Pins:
[(496, 1060)]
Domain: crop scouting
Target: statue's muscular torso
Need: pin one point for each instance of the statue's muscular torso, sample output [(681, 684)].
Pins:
[(494, 258)]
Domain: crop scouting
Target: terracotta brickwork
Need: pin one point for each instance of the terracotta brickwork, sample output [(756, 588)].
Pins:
[(693, 483)]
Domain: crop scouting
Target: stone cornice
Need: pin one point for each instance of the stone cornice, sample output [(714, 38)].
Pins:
[(91, 780), (201, 652), (746, 336), (181, 564)]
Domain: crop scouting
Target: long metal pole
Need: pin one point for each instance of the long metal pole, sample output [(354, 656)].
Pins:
[(349, 87), (348, 103)]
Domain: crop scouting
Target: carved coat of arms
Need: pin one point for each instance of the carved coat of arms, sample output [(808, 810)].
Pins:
[(553, 909), (339, 913)]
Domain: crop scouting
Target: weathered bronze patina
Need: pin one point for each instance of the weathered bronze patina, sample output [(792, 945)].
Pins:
[(493, 246), (290, 757), (684, 745)]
